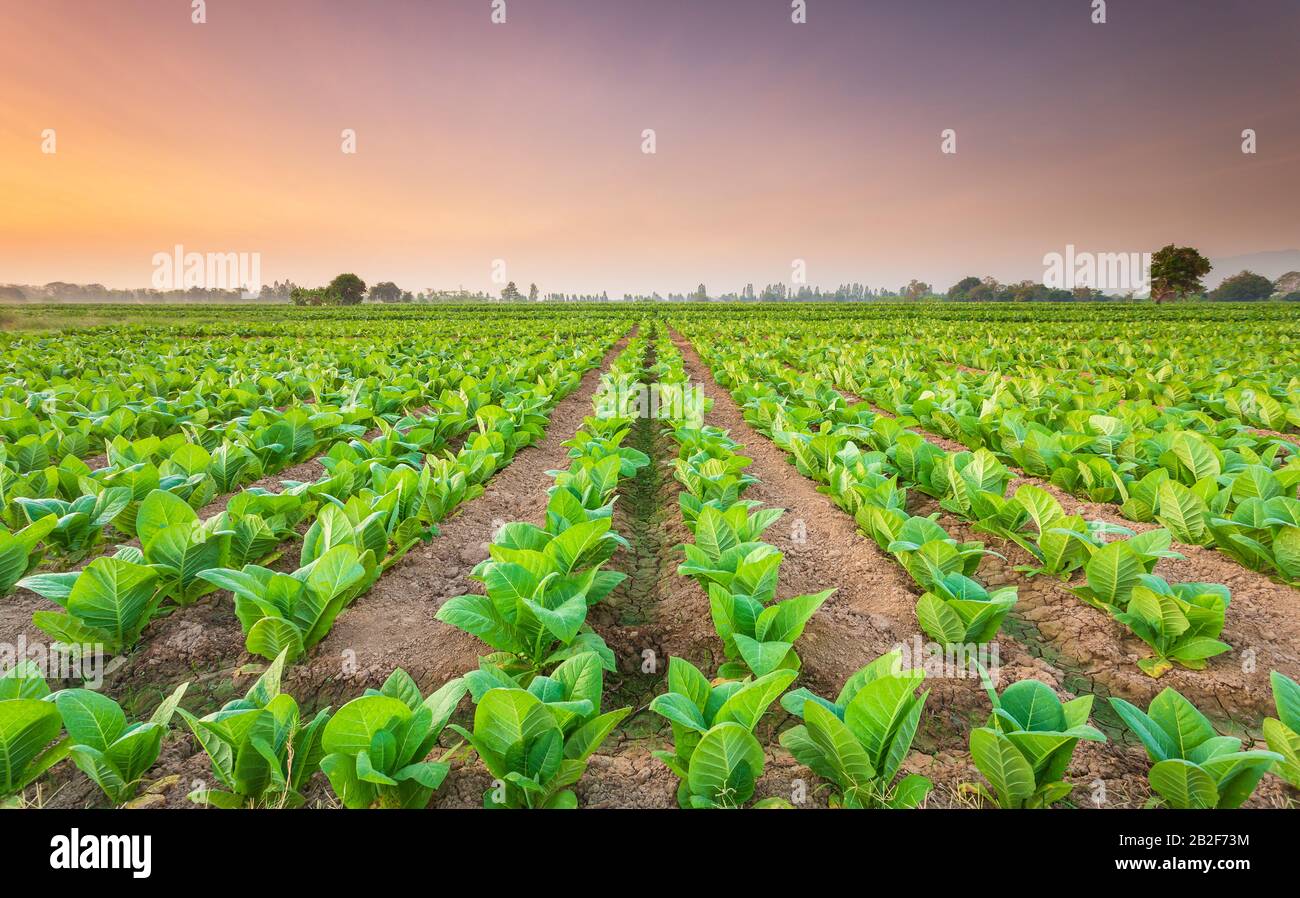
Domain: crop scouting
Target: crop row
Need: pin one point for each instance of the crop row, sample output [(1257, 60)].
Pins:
[(1211, 482), (954, 608), (67, 508), (376, 499)]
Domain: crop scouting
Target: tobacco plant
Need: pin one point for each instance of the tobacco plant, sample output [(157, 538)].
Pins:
[(284, 615), (715, 754), (29, 730), (179, 546), (1026, 748), (109, 602), (1283, 732), (1192, 765), (859, 741), (539, 586), (1180, 622), (376, 747), (262, 753), (20, 552), (535, 748), (80, 523), (114, 753)]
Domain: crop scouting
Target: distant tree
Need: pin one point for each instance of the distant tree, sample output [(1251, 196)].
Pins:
[(701, 293), (1086, 294), (1292, 297), (385, 291), (280, 291), (511, 293), (1021, 291), (348, 288), (1244, 287), (532, 293), (320, 296), (961, 290), (1287, 283), (916, 289), (1176, 272)]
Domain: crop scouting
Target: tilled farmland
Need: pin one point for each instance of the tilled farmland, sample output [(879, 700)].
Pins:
[(653, 557)]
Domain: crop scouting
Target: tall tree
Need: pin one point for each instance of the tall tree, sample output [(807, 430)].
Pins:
[(1176, 272), (961, 291), (916, 289), (349, 289), (386, 291)]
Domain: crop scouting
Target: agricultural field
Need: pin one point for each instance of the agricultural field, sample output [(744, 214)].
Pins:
[(621, 555)]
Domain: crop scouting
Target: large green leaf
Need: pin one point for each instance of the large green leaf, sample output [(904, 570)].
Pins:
[(91, 719), (1183, 784), (114, 596), (725, 765), (27, 726), (1181, 721), (1002, 765), (159, 511), (353, 726)]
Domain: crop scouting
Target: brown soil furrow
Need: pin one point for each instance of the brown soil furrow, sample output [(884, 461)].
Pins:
[(645, 623)]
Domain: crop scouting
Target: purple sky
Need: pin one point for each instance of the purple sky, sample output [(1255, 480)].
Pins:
[(523, 142)]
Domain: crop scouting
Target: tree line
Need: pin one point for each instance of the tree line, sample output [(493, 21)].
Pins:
[(1177, 273)]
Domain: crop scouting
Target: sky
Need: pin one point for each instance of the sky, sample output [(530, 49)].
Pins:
[(522, 143)]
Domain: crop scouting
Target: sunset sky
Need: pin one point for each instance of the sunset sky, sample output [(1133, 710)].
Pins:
[(523, 141)]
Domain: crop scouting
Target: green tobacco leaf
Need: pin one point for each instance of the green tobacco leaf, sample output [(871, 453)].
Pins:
[(1002, 765), (1182, 784)]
